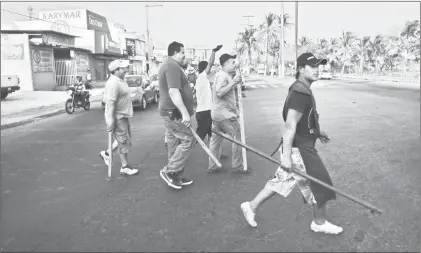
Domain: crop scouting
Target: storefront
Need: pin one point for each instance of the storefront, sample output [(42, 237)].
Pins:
[(54, 62), (136, 56), (98, 34)]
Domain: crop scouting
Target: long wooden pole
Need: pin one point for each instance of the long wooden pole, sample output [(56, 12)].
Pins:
[(203, 145), (110, 146), (356, 200), (243, 132)]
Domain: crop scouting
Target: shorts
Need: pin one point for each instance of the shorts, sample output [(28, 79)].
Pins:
[(122, 134), (283, 182)]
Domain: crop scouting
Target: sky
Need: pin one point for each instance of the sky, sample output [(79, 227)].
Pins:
[(207, 24)]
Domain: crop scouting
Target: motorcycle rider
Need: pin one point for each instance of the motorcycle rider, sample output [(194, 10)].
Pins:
[(80, 90)]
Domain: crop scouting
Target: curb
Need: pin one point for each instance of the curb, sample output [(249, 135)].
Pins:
[(380, 79), (39, 117)]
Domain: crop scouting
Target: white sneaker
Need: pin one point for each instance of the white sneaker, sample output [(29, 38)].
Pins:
[(128, 170), (248, 214), (327, 228), (105, 157)]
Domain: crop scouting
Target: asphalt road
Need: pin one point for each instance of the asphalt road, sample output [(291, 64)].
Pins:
[(55, 195)]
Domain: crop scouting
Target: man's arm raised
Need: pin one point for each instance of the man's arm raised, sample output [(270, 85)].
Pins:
[(212, 59)]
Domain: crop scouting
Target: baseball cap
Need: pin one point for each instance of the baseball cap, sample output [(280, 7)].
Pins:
[(309, 59), (118, 64), (226, 57)]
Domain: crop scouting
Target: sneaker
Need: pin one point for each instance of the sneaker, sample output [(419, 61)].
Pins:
[(248, 214), (128, 170), (185, 181), (327, 228), (170, 179), (105, 157)]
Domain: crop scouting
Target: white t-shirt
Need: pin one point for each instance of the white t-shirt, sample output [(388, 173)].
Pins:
[(203, 93)]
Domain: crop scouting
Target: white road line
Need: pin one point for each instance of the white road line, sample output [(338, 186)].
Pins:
[(274, 86), (262, 86), (252, 86)]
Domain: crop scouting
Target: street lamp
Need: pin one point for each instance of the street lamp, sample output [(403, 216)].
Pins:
[(147, 30)]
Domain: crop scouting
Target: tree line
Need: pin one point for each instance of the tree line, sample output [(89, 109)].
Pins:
[(346, 53)]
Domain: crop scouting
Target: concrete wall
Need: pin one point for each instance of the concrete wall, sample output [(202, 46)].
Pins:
[(44, 81), (16, 58)]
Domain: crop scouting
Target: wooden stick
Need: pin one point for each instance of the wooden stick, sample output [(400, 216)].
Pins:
[(110, 146), (243, 132), (199, 140), (356, 200)]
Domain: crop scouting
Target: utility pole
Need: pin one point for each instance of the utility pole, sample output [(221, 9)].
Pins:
[(147, 32), (282, 65), (296, 34)]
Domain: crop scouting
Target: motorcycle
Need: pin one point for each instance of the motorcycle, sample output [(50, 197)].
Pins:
[(75, 100)]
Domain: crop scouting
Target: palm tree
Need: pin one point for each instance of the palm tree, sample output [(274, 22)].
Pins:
[(347, 49), (247, 43), (364, 45), (377, 52), (269, 28), (410, 31)]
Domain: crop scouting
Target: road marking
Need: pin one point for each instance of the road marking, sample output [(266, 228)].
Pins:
[(274, 86), (252, 86), (262, 86)]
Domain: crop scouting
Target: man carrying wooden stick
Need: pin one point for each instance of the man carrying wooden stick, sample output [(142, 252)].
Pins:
[(118, 110), (224, 113), (298, 150), (176, 108)]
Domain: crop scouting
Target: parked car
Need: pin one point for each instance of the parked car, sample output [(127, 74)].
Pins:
[(325, 75), (141, 91), (155, 85), (9, 84)]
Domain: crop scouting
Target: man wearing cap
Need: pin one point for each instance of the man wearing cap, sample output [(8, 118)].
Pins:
[(176, 108), (118, 110), (298, 150), (224, 112)]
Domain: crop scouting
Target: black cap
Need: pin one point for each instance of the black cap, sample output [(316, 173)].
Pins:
[(309, 59), (226, 57)]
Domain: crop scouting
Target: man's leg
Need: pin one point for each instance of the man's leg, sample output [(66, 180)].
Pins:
[(215, 146), (201, 124), (181, 140), (123, 136), (105, 154), (172, 142), (232, 128), (315, 168)]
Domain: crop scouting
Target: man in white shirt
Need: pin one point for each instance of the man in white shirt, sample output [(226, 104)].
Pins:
[(204, 97)]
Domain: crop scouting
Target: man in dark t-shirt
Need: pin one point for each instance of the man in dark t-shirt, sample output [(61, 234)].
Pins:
[(176, 108), (298, 151)]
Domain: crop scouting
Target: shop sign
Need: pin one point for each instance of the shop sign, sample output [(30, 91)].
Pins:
[(58, 40)]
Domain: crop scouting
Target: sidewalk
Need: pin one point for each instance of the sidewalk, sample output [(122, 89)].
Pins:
[(23, 107)]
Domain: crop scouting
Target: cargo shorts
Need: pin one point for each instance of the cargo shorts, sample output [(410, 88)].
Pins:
[(122, 134), (283, 182)]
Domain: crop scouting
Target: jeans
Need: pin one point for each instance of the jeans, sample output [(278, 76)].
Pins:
[(232, 128), (180, 141)]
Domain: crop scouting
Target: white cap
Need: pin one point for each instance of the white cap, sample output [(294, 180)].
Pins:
[(118, 64)]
